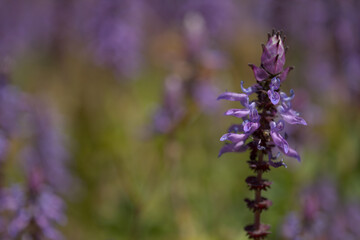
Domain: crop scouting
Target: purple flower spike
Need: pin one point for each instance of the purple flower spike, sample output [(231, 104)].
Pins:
[(260, 73), (259, 129), (240, 113), (230, 96)]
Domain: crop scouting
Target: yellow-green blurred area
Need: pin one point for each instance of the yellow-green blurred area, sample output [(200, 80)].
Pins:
[(134, 184)]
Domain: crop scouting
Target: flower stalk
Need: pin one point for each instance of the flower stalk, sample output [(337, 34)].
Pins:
[(259, 131)]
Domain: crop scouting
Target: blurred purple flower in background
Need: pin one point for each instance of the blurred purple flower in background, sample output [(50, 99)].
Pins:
[(12, 107), (112, 31), (219, 16), (24, 26), (31, 210), (46, 148), (323, 215), (34, 210), (172, 109), (34, 213), (192, 78)]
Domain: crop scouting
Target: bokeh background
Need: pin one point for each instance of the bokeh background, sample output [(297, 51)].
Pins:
[(130, 90)]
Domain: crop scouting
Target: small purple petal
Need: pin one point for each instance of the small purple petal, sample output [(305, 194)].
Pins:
[(231, 96), (274, 97), (277, 127), (265, 54), (250, 127), (240, 113), (290, 153), (234, 137), (233, 147), (272, 125), (275, 83), (286, 98), (260, 73), (253, 115), (285, 106), (276, 164), (291, 116), (273, 65), (248, 90), (280, 141)]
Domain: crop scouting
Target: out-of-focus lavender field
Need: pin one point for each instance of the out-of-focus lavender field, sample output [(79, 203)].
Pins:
[(110, 128)]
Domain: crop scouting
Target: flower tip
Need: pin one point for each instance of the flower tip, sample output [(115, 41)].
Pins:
[(252, 66), (286, 148), (303, 122), (224, 137), (220, 97)]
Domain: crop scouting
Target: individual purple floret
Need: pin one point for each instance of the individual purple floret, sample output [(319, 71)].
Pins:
[(263, 121)]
